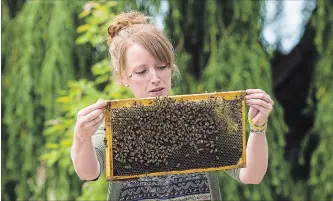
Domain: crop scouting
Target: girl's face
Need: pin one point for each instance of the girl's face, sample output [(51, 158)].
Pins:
[(146, 76)]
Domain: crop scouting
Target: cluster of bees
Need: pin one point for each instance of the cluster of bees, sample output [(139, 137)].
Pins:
[(149, 136)]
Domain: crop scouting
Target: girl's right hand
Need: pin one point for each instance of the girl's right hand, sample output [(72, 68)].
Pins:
[(89, 119)]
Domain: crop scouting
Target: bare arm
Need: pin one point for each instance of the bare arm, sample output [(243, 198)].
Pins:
[(83, 153), (261, 105), (84, 159), (256, 159)]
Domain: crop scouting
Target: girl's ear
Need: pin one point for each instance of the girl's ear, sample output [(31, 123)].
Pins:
[(119, 77), (114, 78), (125, 84), (124, 79)]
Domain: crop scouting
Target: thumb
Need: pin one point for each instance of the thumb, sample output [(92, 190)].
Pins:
[(252, 112)]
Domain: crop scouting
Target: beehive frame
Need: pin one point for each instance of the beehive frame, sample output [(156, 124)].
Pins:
[(231, 95)]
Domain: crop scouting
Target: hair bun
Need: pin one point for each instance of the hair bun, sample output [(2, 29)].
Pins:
[(125, 20)]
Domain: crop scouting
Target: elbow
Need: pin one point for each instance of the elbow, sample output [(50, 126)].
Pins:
[(81, 176), (85, 176), (254, 181), (86, 173), (251, 180)]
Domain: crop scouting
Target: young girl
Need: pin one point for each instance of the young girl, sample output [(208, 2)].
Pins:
[(143, 60)]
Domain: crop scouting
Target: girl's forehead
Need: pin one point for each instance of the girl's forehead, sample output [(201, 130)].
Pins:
[(138, 56)]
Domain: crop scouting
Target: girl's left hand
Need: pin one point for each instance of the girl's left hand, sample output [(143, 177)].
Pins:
[(260, 104)]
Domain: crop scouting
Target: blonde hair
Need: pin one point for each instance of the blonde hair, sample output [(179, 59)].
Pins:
[(135, 28)]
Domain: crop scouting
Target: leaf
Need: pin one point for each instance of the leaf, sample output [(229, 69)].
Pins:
[(102, 79), (84, 14), (82, 39), (45, 157), (55, 156), (83, 28), (52, 146), (63, 99), (66, 143)]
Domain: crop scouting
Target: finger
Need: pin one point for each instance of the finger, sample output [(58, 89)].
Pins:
[(260, 103), (99, 120), (92, 115), (261, 109), (262, 96), (98, 105), (96, 122), (252, 91)]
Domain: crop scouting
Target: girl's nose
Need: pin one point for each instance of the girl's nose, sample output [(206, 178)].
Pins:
[(155, 80)]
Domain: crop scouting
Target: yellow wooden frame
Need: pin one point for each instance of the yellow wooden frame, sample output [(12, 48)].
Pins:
[(230, 95)]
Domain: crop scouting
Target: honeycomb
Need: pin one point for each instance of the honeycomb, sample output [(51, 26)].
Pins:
[(174, 135)]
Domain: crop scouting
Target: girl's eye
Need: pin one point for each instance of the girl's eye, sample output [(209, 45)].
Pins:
[(141, 72), (162, 67)]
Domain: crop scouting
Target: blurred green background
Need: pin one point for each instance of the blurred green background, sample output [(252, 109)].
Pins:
[(55, 62)]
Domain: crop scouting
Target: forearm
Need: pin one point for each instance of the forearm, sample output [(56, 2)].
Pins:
[(256, 160), (84, 159)]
